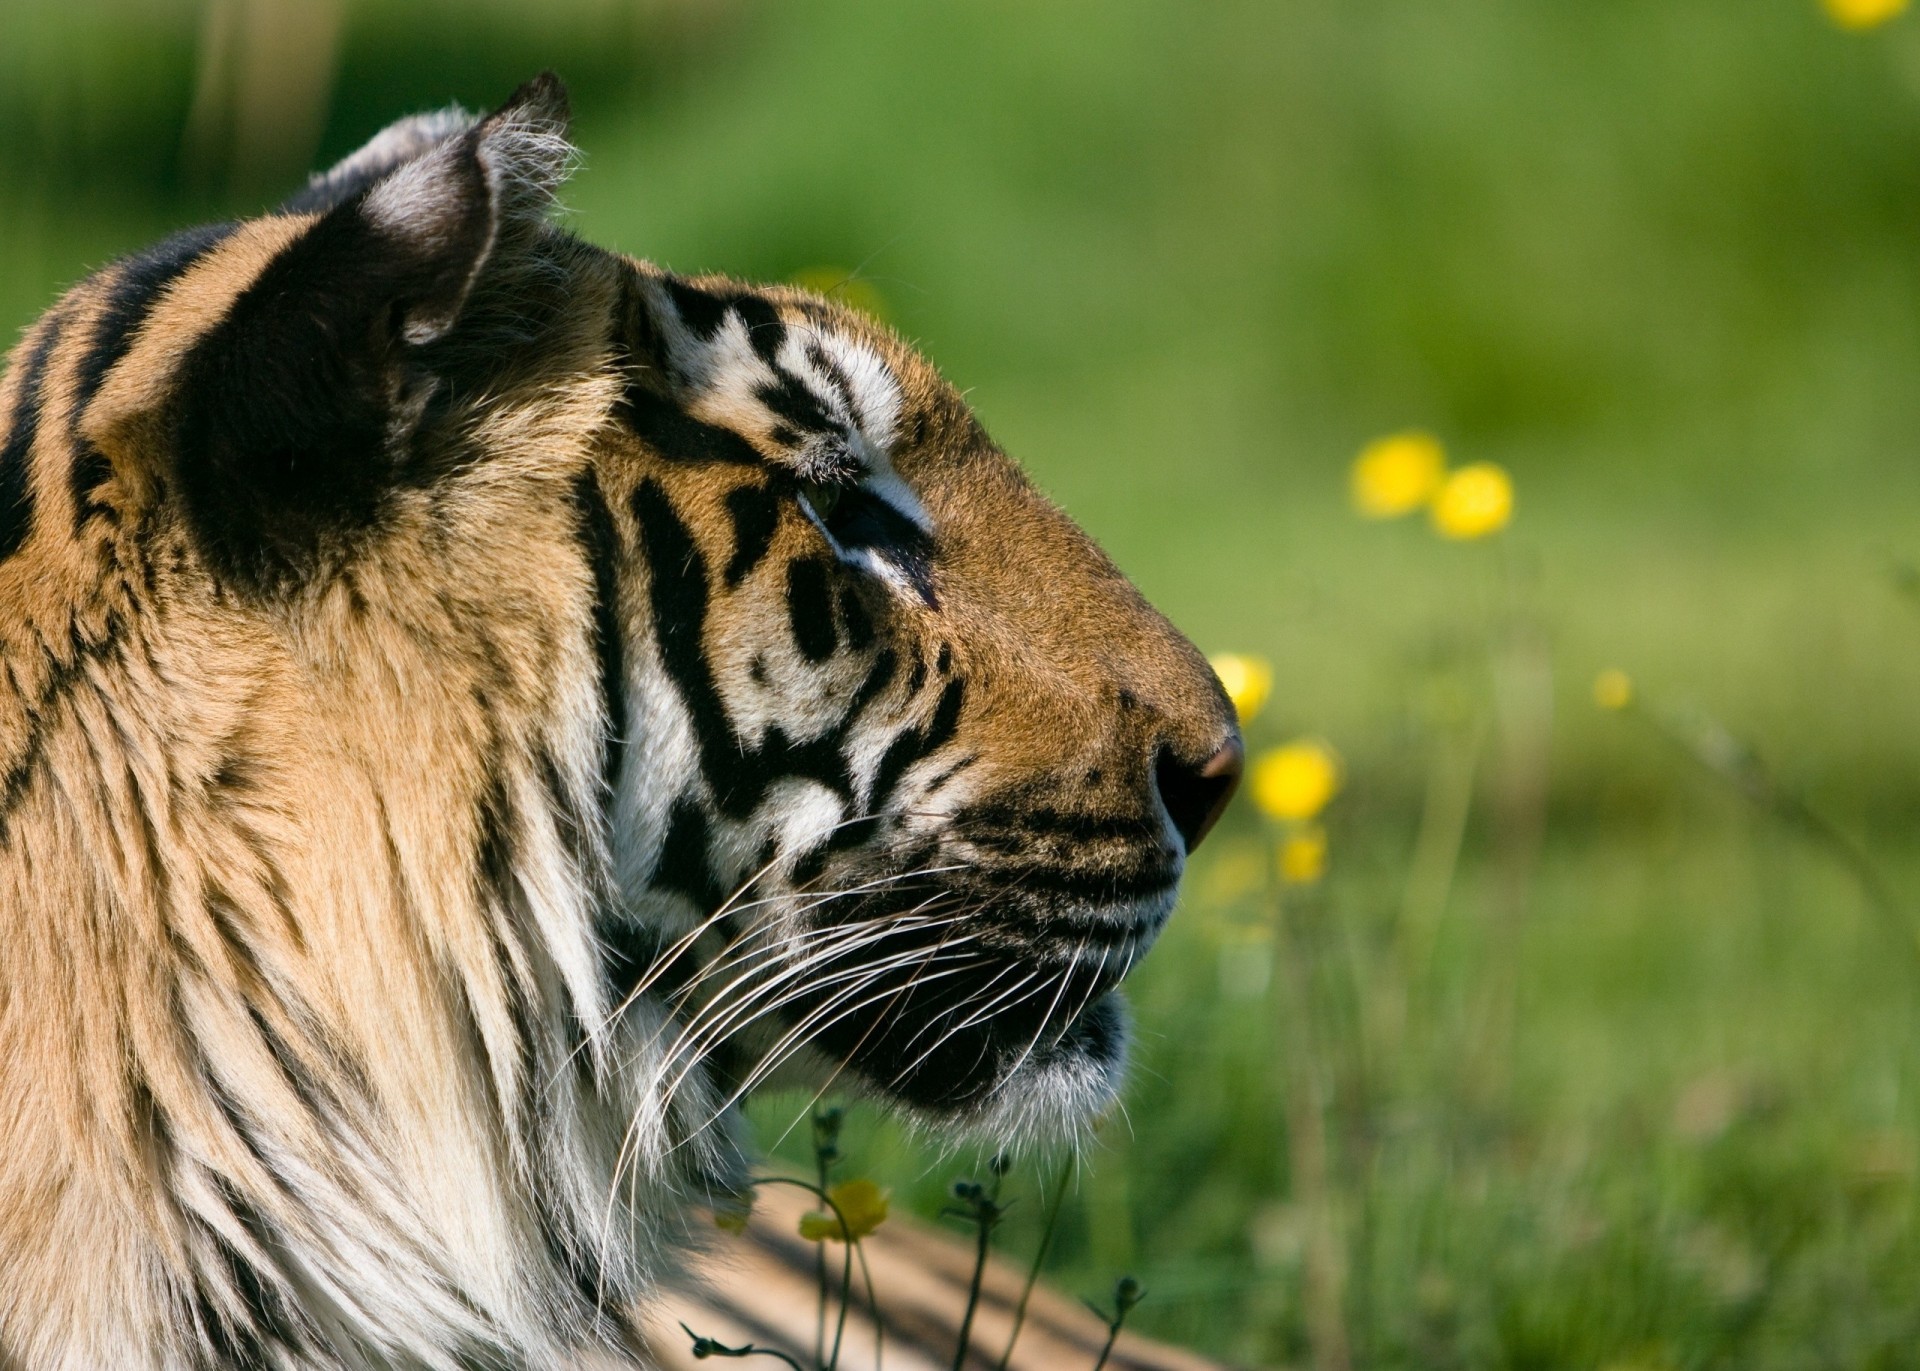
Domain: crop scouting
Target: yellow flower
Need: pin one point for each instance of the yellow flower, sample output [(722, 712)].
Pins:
[(1397, 474), (1863, 14), (1248, 681), (1303, 855), (862, 1202), (1474, 501), (1613, 689), (849, 288), (1295, 781)]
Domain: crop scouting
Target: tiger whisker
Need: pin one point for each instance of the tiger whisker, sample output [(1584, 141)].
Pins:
[(732, 905), (797, 1036), (799, 957), (841, 1066), (761, 999)]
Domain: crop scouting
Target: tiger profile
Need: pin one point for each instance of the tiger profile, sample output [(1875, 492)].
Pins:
[(472, 706)]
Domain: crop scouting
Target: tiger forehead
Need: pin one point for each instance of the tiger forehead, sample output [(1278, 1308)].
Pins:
[(800, 385)]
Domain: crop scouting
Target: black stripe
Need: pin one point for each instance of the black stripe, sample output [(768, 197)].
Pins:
[(854, 616), (755, 511), (139, 282), (682, 865), (16, 489), (796, 404), (913, 746), (810, 609), (498, 884), (271, 1322), (601, 542), (679, 437), (863, 520), (679, 596), (764, 329), (700, 312)]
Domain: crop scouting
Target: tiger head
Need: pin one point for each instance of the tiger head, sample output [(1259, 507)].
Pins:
[(909, 754), (902, 772)]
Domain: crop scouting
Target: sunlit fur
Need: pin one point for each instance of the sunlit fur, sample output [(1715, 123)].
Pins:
[(471, 706)]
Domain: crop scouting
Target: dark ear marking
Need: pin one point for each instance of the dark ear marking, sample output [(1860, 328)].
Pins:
[(297, 413)]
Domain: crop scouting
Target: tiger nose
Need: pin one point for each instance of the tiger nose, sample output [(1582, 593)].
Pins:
[(1196, 796)]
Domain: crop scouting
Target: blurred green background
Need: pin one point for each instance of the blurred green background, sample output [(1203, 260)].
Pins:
[(1613, 1066)]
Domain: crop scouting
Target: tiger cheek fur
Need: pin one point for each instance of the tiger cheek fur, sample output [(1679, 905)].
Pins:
[(471, 707)]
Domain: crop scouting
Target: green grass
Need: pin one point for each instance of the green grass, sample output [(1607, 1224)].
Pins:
[(1660, 260)]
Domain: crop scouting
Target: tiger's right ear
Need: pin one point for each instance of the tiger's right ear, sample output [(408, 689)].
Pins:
[(294, 414)]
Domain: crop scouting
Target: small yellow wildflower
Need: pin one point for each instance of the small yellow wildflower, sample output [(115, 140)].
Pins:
[(1397, 474), (1303, 855), (849, 288), (1613, 689), (1248, 681), (1474, 501), (1296, 781), (862, 1202), (1863, 14)]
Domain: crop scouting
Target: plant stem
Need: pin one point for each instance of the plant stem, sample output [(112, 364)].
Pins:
[(973, 1293), (1713, 745), (1436, 858), (1307, 1146), (873, 1309), (846, 1267), (1039, 1256), (820, 1270), (1126, 1294)]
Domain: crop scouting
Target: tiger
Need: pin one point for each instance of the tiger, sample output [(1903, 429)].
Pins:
[(474, 707)]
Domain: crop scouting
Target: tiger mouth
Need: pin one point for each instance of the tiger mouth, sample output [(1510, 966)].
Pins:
[(952, 1024)]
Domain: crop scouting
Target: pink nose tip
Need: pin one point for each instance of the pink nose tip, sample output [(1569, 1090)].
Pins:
[(1196, 797)]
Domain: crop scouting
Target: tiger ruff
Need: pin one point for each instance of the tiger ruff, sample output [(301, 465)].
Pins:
[(472, 705)]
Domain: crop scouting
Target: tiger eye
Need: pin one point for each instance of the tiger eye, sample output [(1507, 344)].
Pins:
[(821, 499)]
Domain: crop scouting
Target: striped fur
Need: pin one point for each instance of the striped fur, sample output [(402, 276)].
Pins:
[(471, 707)]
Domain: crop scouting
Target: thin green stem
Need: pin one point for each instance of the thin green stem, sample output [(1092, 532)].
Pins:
[(846, 1266), (1113, 1336), (1126, 1294), (965, 1334), (1039, 1257), (873, 1309), (820, 1270)]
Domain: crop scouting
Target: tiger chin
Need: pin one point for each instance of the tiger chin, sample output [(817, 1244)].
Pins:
[(472, 707)]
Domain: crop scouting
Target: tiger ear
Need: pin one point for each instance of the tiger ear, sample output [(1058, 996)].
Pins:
[(440, 216), (294, 415)]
